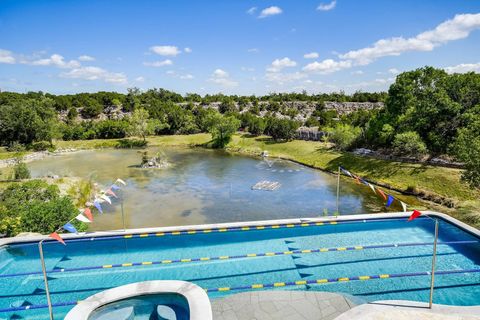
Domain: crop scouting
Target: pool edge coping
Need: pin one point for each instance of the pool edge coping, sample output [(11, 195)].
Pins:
[(255, 223)]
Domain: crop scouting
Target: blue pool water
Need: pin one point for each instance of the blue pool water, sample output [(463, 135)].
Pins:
[(154, 306), (234, 272)]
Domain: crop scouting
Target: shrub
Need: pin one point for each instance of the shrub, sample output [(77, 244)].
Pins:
[(34, 206), (16, 146), (20, 171), (282, 129), (41, 146), (131, 143), (344, 136), (409, 143)]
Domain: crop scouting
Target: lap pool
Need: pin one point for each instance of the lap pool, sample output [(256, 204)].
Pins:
[(371, 259)]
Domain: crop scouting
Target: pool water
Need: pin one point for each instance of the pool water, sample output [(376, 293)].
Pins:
[(169, 306), (235, 269)]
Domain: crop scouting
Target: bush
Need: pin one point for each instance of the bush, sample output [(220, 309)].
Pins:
[(20, 171), (16, 147), (34, 206), (40, 146), (409, 143), (282, 129), (131, 143), (344, 136)]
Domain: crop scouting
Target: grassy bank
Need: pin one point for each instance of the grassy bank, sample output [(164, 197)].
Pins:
[(438, 184)]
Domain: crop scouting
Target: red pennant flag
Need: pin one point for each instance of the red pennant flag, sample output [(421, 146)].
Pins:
[(382, 194), (88, 213), (357, 180), (414, 215), (57, 237), (110, 192)]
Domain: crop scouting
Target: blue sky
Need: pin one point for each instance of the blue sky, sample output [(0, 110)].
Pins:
[(231, 46)]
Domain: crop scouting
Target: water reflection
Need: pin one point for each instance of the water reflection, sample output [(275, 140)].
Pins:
[(207, 186)]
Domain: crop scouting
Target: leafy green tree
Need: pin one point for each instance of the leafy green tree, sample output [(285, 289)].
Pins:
[(344, 136), (409, 143), (282, 129), (467, 149), (222, 128), (139, 124), (34, 206)]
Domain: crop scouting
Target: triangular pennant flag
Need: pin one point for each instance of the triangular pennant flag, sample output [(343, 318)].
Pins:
[(57, 237), (414, 215), (121, 181), (104, 197), (346, 172), (98, 206), (365, 182), (114, 187), (357, 180), (82, 218), (382, 194), (70, 228), (372, 187), (110, 192), (389, 201), (404, 206), (88, 213)]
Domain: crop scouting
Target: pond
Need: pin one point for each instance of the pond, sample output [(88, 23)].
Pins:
[(208, 186)]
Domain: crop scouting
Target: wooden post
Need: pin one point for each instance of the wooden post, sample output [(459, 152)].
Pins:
[(434, 258), (45, 279)]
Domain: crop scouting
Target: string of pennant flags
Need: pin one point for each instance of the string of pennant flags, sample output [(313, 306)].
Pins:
[(388, 198), (85, 214)]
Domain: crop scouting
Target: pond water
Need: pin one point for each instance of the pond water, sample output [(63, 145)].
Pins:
[(208, 186)]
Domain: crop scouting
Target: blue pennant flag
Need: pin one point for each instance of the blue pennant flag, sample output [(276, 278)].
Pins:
[(98, 206), (389, 201), (70, 228), (346, 172), (364, 182), (114, 187)]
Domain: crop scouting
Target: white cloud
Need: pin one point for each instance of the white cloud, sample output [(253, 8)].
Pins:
[(279, 64), (357, 72), (187, 50), (166, 50), (186, 77), (311, 55), (95, 73), (282, 78), (7, 57), (57, 61), (454, 29), (327, 6), (253, 50), (221, 77), (270, 11), (140, 79), (157, 64), (252, 10), (464, 67), (393, 71), (86, 58), (327, 66)]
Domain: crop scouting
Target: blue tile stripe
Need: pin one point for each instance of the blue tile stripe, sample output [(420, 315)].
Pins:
[(277, 284), (243, 256)]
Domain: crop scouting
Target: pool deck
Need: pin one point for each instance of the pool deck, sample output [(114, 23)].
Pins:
[(287, 305)]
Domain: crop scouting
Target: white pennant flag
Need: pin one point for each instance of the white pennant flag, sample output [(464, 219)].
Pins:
[(121, 181), (372, 187), (106, 198), (404, 206), (82, 218)]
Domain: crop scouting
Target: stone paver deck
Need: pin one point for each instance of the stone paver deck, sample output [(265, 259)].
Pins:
[(285, 305)]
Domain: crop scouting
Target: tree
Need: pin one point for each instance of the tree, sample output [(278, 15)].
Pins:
[(20, 171), (282, 129), (139, 124), (222, 128), (409, 143), (467, 149), (344, 136)]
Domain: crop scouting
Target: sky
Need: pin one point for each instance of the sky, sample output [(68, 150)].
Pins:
[(231, 46)]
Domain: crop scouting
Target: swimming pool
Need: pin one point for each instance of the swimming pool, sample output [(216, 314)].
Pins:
[(372, 259)]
